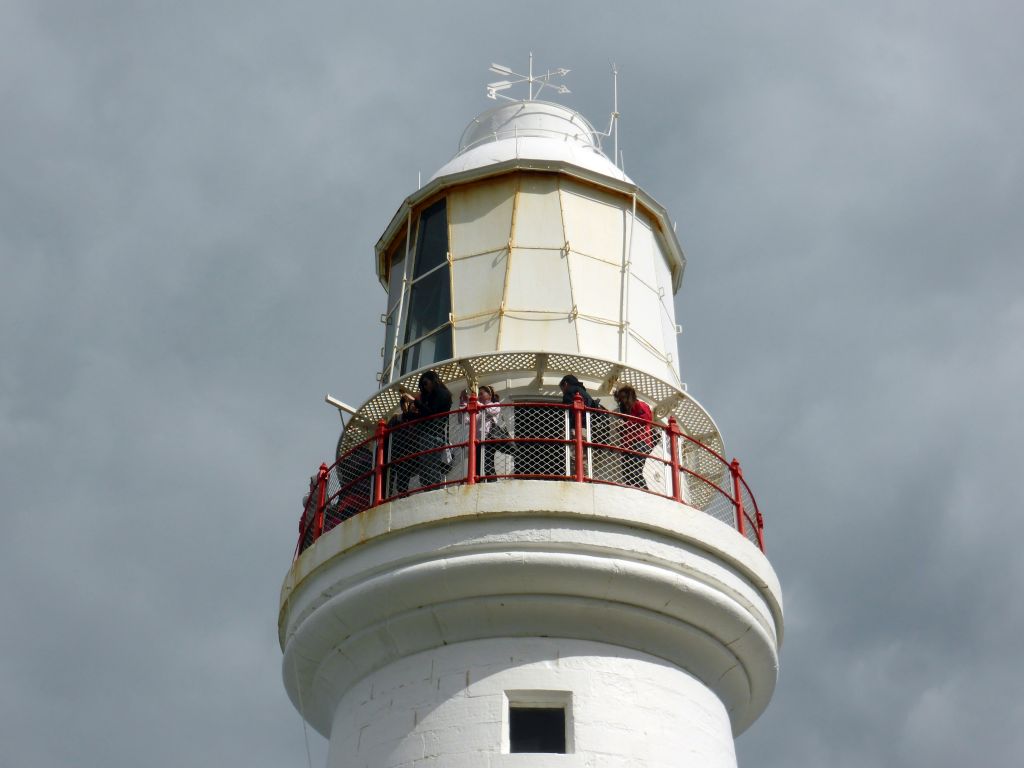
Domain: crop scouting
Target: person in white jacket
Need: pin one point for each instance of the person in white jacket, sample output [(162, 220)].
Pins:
[(486, 419)]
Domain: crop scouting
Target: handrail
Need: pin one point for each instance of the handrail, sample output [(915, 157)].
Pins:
[(528, 440)]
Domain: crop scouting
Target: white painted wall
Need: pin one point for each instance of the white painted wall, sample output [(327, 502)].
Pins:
[(525, 558), (448, 707)]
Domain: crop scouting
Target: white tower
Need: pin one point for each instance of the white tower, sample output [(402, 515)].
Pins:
[(562, 608)]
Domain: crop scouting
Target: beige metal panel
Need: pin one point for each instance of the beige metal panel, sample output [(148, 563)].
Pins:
[(538, 281), (662, 272), (645, 311), (663, 279), (478, 283), (670, 339), (598, 339), (643, 252), (643, 359), (538, 222), (480, 216), (596, 287), (536, 331), (595, 221), (477, 336)]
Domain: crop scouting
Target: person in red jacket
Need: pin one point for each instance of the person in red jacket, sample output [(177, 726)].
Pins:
[(634, 435)]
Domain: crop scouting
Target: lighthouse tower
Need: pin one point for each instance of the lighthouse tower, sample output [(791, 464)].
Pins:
[(538, 582)]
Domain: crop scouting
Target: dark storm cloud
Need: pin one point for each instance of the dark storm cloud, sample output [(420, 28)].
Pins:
[(190, 196)]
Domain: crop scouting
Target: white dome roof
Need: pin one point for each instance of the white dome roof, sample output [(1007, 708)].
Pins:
[(530, 130)]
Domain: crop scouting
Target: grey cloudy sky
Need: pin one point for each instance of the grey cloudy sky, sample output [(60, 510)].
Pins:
[(189, 197)]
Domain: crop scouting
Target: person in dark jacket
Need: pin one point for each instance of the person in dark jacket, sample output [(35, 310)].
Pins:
[(595, 419), (434, 399), (400, 443), (571, 387)]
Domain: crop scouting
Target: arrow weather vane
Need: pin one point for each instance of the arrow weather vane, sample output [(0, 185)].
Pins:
[(543, 81)]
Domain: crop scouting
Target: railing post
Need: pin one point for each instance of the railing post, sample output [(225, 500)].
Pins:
[(734, 469), (760, 529), (577, 422), (673, 443), (471, 408), (321, 501), (378, 463)]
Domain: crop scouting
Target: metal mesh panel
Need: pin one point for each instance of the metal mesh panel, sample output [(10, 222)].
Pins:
[(526, 440), (584, 367), (602, 456), (424, 453), (386, 402), (450, 371), (711, 500), (497, 450), (696, 423), (634, 443), (626, 451), (657, 464), (400, 464), (307, 521), (749, 513), (540, 433), (350, 485), (709, 469), (522, 361), (692, 418)]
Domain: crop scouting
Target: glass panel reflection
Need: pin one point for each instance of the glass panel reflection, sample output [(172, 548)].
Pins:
[(432, 243), (429, 304), (431, 349)]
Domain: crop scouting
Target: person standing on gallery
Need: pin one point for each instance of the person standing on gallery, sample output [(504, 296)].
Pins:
[(634, 436), (434, 400), (486, 419)]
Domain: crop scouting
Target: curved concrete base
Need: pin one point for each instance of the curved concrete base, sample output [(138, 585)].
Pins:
[(530, 559)]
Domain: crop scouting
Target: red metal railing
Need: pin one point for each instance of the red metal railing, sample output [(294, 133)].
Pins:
[(544, 441)]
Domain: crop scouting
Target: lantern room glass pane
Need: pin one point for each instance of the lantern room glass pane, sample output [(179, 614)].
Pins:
[(425, 321), (395, 275), (430, 301), (432, 242), (435, 347)]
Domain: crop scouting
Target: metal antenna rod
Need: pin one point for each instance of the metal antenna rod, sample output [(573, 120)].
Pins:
[(531, 76), (615, 109)]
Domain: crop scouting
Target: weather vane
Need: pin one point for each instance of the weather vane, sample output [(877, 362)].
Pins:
[(543, 81)]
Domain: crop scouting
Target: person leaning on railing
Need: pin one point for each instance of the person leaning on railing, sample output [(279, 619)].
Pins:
[(434, 399), (634, 435), (487, 420), (571, 387), (354, 472), (400, 443)]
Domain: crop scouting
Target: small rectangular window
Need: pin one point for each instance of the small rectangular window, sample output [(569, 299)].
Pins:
[(538, 721), (536, 729)]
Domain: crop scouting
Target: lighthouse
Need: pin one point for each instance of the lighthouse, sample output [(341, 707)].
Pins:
[(534, 578)]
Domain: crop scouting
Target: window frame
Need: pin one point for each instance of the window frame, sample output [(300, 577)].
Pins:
[(399, 311), (395, 311), (538, 699)]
